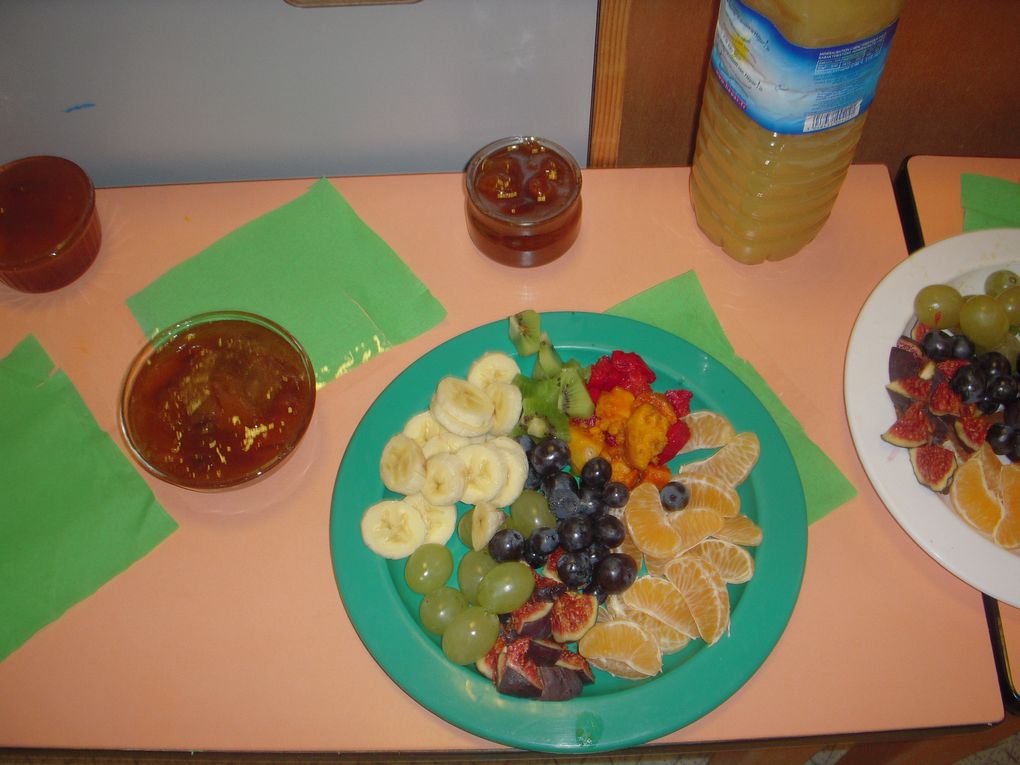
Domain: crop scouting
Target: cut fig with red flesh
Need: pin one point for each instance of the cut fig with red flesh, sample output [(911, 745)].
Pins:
[(907, 390), (516, 674), (912, 428), (934, 466), (532, 619), (487, 664), (944, 401), (573, 614), (549, 569), (973, 431), (578, 664), (559, 683), (904, 362), (543, 652), (547, 588)]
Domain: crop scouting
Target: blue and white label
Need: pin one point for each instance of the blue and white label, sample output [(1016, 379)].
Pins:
[(789, 89)]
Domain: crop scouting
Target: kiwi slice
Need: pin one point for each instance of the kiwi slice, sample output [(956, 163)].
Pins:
[(574, 400), (548, 362), (541, 419), (525, 329)]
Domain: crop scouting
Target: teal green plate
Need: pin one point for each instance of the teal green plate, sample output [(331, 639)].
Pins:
[(611, 713)]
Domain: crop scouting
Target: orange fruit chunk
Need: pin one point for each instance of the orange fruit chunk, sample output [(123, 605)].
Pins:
[(1007, 531), (648, 525), (732, 463), (695, 524), (734, 563), (712, 492), (740, 530), (708, 431), (705, 592), (621, 648), (669, 640), (660, 599), (973, 498), (990, 466)]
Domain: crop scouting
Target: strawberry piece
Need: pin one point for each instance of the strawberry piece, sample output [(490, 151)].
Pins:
[(680, 400)]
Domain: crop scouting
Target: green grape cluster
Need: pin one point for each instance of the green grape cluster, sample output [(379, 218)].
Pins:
[(988, 319)]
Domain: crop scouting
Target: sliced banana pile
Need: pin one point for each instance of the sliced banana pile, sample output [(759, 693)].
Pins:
[(458, 450)]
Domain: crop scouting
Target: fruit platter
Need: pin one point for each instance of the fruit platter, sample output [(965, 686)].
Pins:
[(933, 405), (548, 574)]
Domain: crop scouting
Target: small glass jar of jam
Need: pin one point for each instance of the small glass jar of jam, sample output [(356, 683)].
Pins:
[(217, 400), (49, 229), (523, 201)]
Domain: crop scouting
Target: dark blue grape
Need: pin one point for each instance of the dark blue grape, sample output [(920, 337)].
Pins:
[(937, 345), (574, 569), (994, 364), (597, 552), (549, 456), (968, 383), (963, 348), (609, 530), (576, 533), (1002, 389), (506, 544), (596, 472), (1000, 437), (615, 494), (615, 573), (544, 540)]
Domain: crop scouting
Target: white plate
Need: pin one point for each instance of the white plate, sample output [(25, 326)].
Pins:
[(963, 261)]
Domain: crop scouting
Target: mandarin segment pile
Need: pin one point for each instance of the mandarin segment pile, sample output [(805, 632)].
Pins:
[(690, 556)]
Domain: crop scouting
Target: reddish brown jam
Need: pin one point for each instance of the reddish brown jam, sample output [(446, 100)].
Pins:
[(219, 403), (49, 229), (523, 201)]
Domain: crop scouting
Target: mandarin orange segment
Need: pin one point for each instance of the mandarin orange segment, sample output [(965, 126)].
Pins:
[(695, 524), (659, 598), (712, 492), (648, 525), (705, 592), (621, 648), (973, 499), (657, 566), (668, 639), (708, 431), (990, 466), (740, 530), (1007, 532), (732, 463), (734, 563)]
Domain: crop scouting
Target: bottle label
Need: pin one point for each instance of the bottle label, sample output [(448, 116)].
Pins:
[(789, 89)]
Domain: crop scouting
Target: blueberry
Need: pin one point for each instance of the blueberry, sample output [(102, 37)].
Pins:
[(937, 345), (576, 533), (675, 495), (596, 472), (574, 569), (615, 494)]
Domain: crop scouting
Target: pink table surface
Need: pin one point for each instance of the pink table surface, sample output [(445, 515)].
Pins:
[(231, 635), (935, 183)]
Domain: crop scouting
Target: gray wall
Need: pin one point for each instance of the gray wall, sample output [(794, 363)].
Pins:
[(171, 91)]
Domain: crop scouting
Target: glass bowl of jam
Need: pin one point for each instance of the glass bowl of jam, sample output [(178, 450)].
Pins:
[(49, 229), (523, 200), (217, 400)]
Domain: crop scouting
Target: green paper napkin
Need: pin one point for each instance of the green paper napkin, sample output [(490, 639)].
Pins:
[(681, 307), (75, 512), (989, 202), (312, 266)]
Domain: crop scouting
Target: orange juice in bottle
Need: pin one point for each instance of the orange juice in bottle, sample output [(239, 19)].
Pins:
[(784, 106)]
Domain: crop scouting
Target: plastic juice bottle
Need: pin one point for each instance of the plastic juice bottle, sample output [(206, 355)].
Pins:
[(784, 106)]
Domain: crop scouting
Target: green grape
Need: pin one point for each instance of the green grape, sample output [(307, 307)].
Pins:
[(438, 608), (984, 321), (470, 635), (997, 281), (506, 587), (464, 528), (530, 511), (1009, 299), (938, 306), (428, 568), (473, 566)]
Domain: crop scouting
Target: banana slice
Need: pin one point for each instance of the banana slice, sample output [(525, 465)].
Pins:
[(486, 472), (402, 465), (486, 520), (516, 460), (445, 441), (507, 402), (440, 520), (492, 367), (422, 427), (393, 528), (462, 408), (445, 479)]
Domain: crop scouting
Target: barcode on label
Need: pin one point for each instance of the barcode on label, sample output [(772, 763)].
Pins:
[(830, 119)]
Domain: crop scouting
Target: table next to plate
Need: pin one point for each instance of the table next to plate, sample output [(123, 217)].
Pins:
[(933, 183), (231, 634)]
